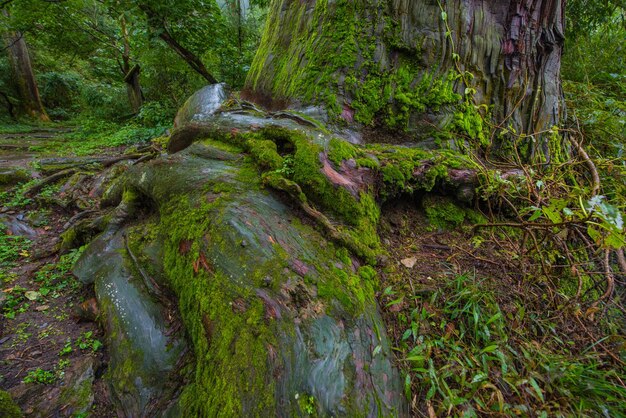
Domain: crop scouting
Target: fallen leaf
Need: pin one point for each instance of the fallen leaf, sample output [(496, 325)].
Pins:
[(409, 262), (42, 308), (32, 295)]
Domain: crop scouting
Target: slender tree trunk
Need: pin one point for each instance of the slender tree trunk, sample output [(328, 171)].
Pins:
[(157, 23), (384, 61), (24, 77), (131, 73)]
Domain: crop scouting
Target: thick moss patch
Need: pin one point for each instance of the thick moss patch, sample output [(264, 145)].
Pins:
[(8, 408)]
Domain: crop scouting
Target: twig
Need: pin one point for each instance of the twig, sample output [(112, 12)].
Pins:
[(590, 165), (598, 343)]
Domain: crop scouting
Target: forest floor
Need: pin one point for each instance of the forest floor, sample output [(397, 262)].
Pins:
[(454, 300), (50, 346)]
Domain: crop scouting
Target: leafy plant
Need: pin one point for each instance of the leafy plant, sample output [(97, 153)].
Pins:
[(41, 376), (67, 348), (47, 377), (86, 341)]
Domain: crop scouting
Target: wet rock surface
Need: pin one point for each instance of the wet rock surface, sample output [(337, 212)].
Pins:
[(237, 256), (142, 354)]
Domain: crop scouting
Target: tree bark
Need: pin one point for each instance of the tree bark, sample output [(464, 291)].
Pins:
[(10, 107), (131, 73), (355, 57), (24, 76)]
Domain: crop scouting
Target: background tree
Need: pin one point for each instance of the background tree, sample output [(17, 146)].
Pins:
[(22, 73), (106, 60)]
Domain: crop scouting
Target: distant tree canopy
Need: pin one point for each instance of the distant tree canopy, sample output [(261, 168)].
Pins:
[(154, 52), (584, 16)]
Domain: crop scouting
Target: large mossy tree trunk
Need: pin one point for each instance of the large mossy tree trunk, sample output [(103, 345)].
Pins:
[(408, 63)]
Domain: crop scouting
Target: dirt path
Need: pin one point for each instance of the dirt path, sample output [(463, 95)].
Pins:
[(50, 350)]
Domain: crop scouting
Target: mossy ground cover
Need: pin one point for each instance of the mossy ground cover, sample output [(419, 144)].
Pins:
[(79, 137)]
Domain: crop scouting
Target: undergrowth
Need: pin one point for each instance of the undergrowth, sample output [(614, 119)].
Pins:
[(467, 355)]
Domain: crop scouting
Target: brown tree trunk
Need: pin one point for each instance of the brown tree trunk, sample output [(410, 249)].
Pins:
[(24, 77), (385, 61), (133, 88), (131, 73)]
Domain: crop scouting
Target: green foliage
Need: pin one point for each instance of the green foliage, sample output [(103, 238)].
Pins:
[(585, 16), (92, 135), (51, 279), (60, 93), (307, 404), (12, 247), (340, 150), (465, 358), (86, 342), (54, 278), (8, 408), (67, 348), (82, 50), (45, 377)]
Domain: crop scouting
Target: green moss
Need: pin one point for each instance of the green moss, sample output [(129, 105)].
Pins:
[(393, 175), (8, 408), (10, 177), (353, 293), (265, 153), (367, 162), (469, 122), (222, 145), (340, 150), (442, 213), (231, 365), (359, 213)]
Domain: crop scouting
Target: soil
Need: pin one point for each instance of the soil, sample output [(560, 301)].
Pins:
[(41, 328)]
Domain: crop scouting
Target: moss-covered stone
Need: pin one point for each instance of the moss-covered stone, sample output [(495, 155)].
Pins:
[(11, 176)]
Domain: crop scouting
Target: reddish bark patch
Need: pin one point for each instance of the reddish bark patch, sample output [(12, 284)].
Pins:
[(203, 263), (239, 305), (299, 267), (347, 113), (184, 246), (350, 177)]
